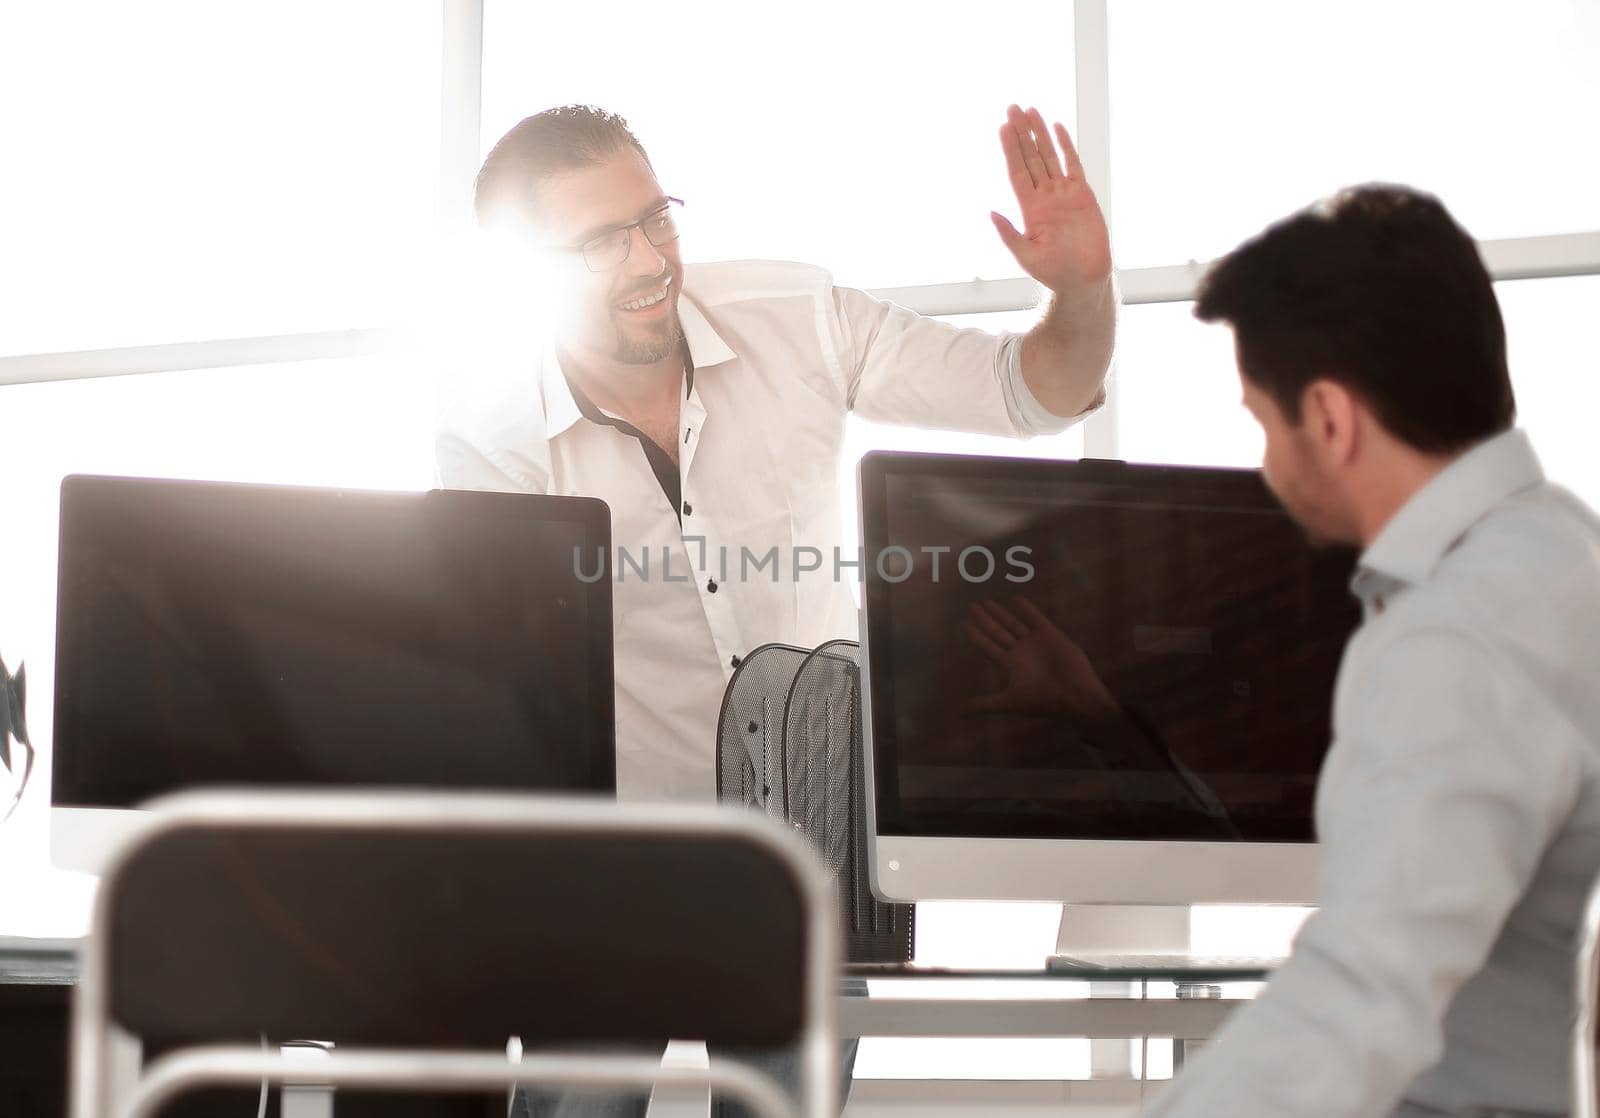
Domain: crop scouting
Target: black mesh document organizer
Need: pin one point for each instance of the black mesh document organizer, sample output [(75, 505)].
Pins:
[(789, 743)]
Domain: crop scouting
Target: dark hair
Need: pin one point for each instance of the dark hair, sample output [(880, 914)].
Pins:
[(543, 145), (1380, 290)]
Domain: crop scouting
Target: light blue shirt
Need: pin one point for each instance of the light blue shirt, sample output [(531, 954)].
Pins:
[(1459, 818)]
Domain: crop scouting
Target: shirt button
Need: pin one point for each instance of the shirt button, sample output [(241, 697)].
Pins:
[(711, 586), (734, 661), (688, 509)]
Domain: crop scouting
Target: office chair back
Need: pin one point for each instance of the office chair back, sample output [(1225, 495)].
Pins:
[(395, 921)]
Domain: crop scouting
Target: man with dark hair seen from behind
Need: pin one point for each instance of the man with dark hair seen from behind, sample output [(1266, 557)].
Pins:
[(1459, 806), (706, 404)]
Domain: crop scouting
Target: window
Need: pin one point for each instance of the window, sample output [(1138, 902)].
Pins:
[(1230, 113), (859, 137), (188, 170), (1553, 345), (1178, 391), (362, 423), (1226, 116), (182, 172), (1178, 388)]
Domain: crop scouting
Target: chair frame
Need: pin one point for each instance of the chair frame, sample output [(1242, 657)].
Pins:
[(1585, 1082), (94, 1095)]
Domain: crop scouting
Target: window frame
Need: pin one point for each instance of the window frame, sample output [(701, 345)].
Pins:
[(461, 94)]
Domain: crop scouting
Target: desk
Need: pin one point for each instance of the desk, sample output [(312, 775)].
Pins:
[(936, 1007), (36, 978), (35, 1000), (934, 1004)]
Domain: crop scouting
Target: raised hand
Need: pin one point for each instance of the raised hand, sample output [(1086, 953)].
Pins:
[(1064, 243)]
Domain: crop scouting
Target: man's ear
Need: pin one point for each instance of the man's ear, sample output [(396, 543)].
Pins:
[(1330, 416)]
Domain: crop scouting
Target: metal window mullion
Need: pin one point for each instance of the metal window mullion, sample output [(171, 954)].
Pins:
[(978, 296), (1562, 254), (1509, 258), (1092, 72), (460, 111), (175, 357)]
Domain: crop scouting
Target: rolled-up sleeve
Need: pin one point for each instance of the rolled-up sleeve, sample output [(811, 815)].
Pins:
[(896, 366), (1449, 779)]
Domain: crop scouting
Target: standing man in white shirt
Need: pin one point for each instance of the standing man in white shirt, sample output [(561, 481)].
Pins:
[(706, 405), (1459, 806)]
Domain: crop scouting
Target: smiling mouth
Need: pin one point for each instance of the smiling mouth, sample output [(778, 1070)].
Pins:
[(645, 302)]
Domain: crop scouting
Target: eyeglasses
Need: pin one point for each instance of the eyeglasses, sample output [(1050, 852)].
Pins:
[(612, 247)]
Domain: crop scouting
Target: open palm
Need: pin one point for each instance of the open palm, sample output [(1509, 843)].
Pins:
[(1064, 243)]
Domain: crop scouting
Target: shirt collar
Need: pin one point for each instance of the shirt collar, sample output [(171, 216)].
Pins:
[(1432, 522), (706, 348)]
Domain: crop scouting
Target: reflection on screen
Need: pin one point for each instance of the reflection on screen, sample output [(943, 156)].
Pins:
[(1141, 661), (218, 634)]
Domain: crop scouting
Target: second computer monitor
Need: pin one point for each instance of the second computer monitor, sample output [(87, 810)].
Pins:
[(1094, 681), (255, 635)]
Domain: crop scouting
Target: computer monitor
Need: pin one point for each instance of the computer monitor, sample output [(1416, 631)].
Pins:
[(226, 634), (1093, 682)]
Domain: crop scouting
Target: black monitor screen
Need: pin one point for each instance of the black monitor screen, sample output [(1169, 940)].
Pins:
[(213, 633), (1095, 650)]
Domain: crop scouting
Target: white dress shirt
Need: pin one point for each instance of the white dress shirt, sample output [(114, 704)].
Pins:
[(779, 357), (1459, 816)]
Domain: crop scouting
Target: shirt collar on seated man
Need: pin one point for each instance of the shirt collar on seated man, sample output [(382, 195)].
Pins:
[(1439, 514), (706, 348)]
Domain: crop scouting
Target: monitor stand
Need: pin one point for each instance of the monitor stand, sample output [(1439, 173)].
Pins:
[(1100, 930)]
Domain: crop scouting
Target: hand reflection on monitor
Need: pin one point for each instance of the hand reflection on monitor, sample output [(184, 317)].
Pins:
[(1048, 675), (1046, 672)]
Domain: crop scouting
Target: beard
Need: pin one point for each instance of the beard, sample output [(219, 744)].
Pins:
[(648, 348), (1314, 508)]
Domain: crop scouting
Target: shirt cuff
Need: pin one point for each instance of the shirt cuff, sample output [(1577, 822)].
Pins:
[(1027, 414)]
